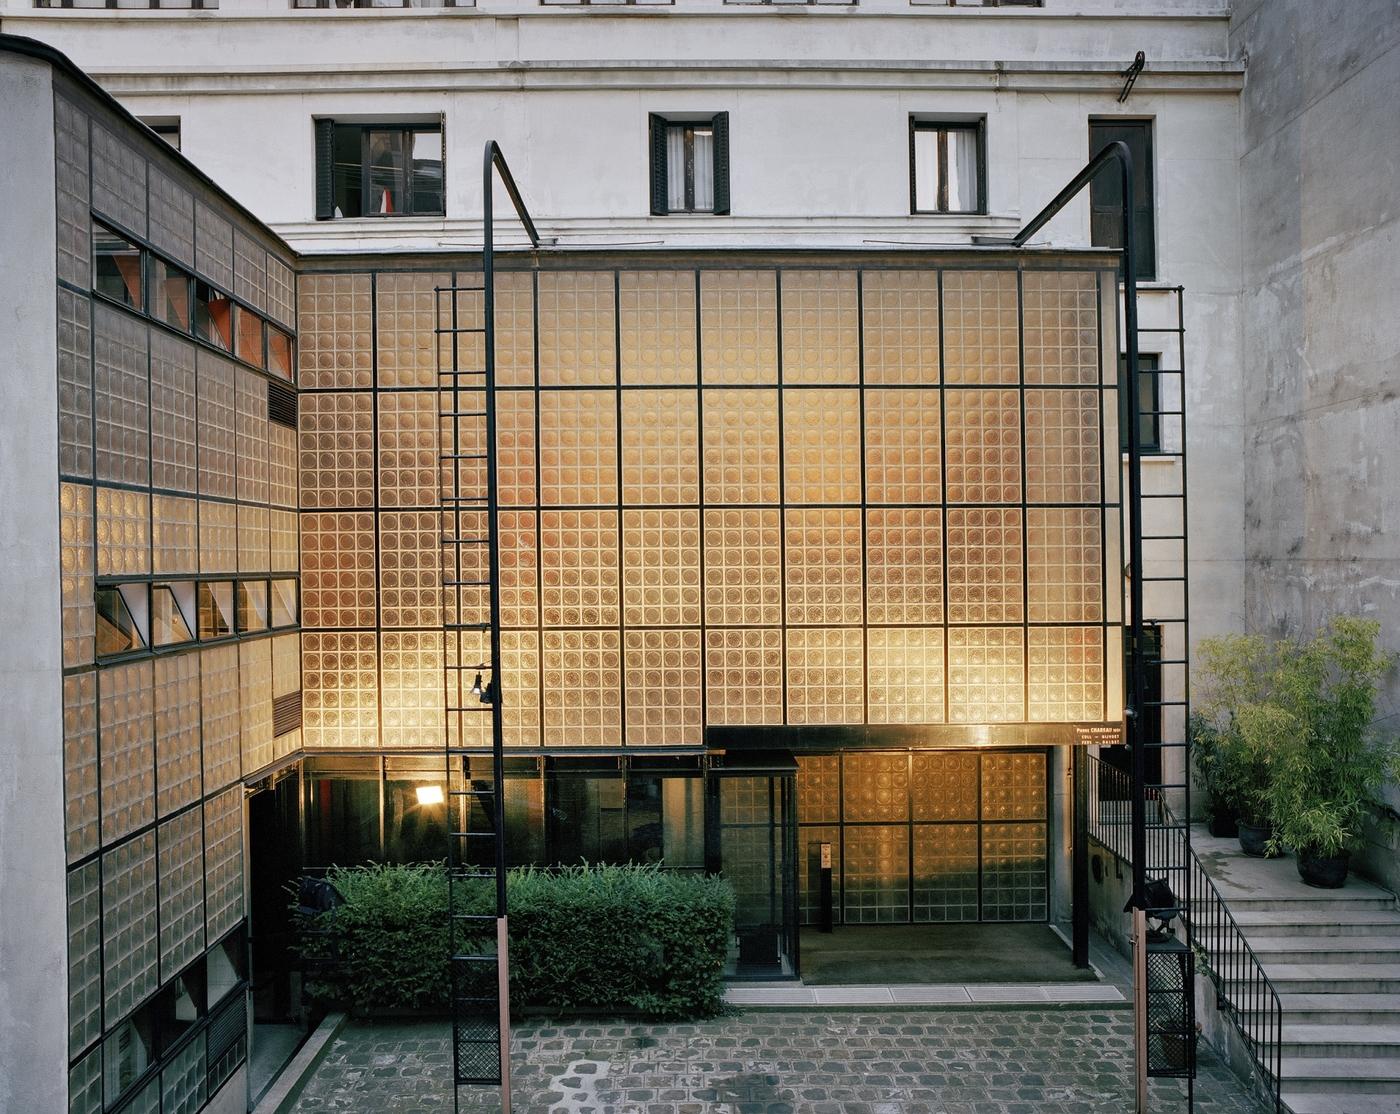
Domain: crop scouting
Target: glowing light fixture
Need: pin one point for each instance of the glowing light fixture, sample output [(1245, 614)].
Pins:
[(429, 794)]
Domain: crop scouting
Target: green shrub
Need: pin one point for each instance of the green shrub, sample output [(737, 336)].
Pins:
[(627, 939)]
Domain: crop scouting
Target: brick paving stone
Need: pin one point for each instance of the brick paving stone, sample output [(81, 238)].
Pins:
[(1026, 1061)]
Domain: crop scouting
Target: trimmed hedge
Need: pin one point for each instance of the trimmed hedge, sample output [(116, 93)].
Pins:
[(629, 939)]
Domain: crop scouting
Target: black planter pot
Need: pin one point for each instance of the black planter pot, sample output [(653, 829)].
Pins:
[(1254, 840), (1223, 824), (1326, 872)]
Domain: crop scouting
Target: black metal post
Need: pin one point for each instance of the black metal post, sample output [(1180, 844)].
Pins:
[(1079, 855)]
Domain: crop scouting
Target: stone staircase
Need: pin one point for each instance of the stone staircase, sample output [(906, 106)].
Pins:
[(1333, 956)]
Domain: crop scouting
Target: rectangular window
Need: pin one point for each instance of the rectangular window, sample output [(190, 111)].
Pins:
[(1106, 192), (378, 170), (170, 294), (172, 613), (215, 609), (284, 603), (250, 337), (1149, 403), (116, 267), (252, 606), (213, 316), (690, 164), (947, 168), (279, 353), (167, 127), (123, 616)]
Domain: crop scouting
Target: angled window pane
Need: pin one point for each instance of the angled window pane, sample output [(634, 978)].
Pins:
[(116, 267), (170, 290), (215, 609), (213, 316), (252, 606), (284, 603), (250, 337), (171, 616), (117, 628), (279, 353)]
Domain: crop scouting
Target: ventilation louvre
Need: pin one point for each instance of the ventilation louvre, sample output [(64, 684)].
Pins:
[(281, 404)]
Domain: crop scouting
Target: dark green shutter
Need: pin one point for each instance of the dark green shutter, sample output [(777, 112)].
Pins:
[(325, 181), (659, 207), (721, 140)]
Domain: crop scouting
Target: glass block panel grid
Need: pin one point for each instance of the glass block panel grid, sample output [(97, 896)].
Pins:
[(810, 837), (660, 447), (80, 764), (282, 461), (520, 670), (876, 787), (741, 446), (825, 675), (407, 319), (520, 568), (578, 448), (172, 217), (900, 311), (945, 873), (411, 688), (744, 676), (74, 383), (876, 874), (410, 564), (337, 450), (1013, 785), (251, 436), (581, 681), (71, 160), (981, 336), (335, 319), (77, 558), (743, 567), (340, 690), (118, 180), (985, 565), (184, 1081), (218, 537), (1062, 446), (218, 678), (123, 532), (337, 570), (579, 570), (181, 884), (904, 565), (664, 695), (121, 397), (1013, 872), (986, 675), (178, 764), (255, 703), (84, 957), (946, 785), (223, 862), (174, 536), (1065, 564), (821, 334), (249, 270), (821, 446), (905, 674), (983, 433), (903, 446), (130, 949), (576, 328), (213, 245), (823, 558), (661, 568), (657, 326), (214, 414), (1066, 674), (516, 455), (85, 1084), (1061, 327), (739, 336), (254, 547), (126, 735), (818, 788)]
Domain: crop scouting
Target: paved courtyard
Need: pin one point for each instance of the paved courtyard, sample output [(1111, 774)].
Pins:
[(1024, 1061)]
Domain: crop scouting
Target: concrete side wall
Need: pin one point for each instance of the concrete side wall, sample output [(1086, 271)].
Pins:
[(33, 901), (1321, 234)]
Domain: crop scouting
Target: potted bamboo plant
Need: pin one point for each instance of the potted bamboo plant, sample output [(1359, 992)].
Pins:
[(1214, 776), (1331, 762)]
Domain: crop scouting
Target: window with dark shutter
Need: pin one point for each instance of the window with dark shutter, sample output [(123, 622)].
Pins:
[(379, 170), (689, 164), (325, 189), (1105, 193)]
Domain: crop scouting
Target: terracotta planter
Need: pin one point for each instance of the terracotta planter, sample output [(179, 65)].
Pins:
[(1326, 872), (1254, 839)]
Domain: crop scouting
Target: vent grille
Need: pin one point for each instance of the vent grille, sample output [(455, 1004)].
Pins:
[(281, 404), (286, 713)]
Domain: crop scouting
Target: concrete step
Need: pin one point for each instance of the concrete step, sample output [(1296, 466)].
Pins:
[(1318, 922), (1333, 1103), (1362, 951), (1330, 978), (1370, 1075), (1340, 1009), (1354, 1042), (1344, 900)]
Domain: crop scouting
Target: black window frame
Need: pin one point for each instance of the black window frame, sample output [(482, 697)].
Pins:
[(658, 126), (1105, 209), (327, 142), (1149, 403), (926, 123)]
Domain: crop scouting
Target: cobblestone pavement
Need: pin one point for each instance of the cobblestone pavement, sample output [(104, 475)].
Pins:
[(907, 1062)]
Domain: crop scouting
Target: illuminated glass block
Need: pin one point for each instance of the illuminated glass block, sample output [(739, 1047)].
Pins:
[(515, 448), (1013, 785), (877, 787), (582, 688), (904, 565), (906, 674), (983, 437), (408, 449), (876, 873), (741, 446), (254, 548), (985, 565), (173, 425), (821, 340), (1061, 327), (340, 689), (900, 310), (126, 728), (903, 447), (664, 697), (335, 328), (823, 566), (255, 703), (1066, 674), (986, 675), (946, 870), (223, 862), (123, 532), (825, 676), (178, 767), (411, 689), (743, 567), (657, 326), (660, 447), (818, 789), (576, 328), (1062, 446), (121, 397), (77, 559), (1065, 564), (215, 415), (578, 448), (739, 327), (336, 450), (174, 534), (744, 676), (821, 446), (579, 568), (218, 537), (250, 428), (980, 331), (520, 691), (282, 536), (661, 567), (946, 786), (407, 318), (520, 568), (181, 888), (1014, 877), (338, 570)]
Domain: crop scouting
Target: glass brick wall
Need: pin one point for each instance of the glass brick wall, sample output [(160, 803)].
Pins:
[(171, 474), (736, 496)]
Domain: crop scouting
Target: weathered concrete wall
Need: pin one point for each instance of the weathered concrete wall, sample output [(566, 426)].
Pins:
[(1320, 158), (33, 899)]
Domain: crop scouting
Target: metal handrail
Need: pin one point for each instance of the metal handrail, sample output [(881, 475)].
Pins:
[(1244, 992)]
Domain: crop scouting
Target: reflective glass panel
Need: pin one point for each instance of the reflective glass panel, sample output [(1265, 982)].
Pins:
[(117, 632), (170, 293), (172, 610), (213, 316), (284, 603), (252, 606), (279, 353), (116, 267), (215, 609), (250, 337)]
